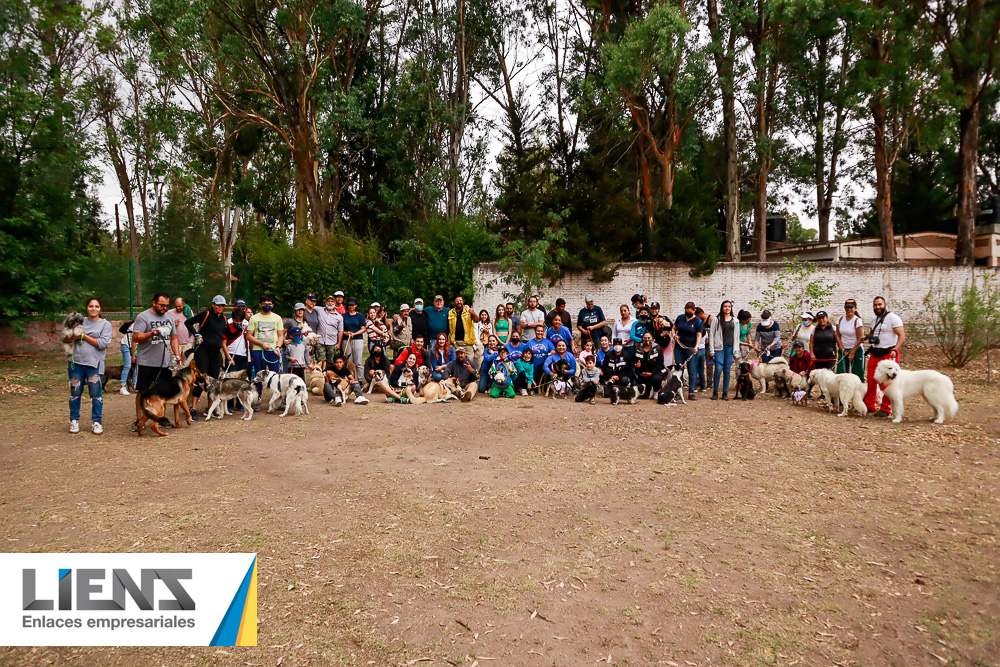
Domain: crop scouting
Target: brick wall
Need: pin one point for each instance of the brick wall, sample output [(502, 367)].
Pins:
[(903, 285), (42, 336)]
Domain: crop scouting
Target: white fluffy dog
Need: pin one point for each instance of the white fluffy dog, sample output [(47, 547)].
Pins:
[(288, 386), (765, 372), (900, 384), (842, 390)]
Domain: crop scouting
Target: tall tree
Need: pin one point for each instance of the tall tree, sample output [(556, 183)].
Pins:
[(724, 30)]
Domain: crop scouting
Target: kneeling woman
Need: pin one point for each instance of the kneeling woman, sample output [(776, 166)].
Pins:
[(86, 365), (377, 361)]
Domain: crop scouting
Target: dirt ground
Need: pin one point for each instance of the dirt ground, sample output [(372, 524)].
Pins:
[(541, 532)]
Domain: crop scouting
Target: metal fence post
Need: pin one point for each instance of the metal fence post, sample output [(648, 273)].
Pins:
[(131, 288)]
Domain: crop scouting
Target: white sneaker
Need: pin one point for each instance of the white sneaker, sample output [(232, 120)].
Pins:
[(361, 400), (124, 392), (74, 426), (98, 429), (524, 392), (338, 401)]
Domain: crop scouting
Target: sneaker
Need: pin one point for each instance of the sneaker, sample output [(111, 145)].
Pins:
[(715, 395), (524, 392), (98, 429), (194, 416), (691, 396), (124, 392), (337, 401), (389, 399), (592, 400), (361, 400), (135, 426), (74, 425)]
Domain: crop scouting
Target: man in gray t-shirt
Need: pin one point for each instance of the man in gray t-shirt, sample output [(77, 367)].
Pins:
[(152, 330)]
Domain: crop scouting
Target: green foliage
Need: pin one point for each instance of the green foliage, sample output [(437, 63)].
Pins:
[(966, 323), (526, 268), (795, 289), (797, 233)]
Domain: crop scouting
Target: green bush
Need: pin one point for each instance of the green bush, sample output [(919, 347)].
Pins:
[(967, 323)]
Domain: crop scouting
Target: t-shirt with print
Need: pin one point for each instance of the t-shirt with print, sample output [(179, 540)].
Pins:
[(183, 335), (154, 351), (688, 329), (265, 327)]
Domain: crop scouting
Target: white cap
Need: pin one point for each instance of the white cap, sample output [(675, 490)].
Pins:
[(418, 300), (375, 304), (405, 306), (338, 293), (219, 300)]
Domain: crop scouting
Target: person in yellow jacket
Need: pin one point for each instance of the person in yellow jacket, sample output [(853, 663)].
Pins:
[(461, 327)]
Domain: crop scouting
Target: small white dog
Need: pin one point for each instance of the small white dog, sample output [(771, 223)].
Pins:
[(842, 390), (288, 386), (900, 384)]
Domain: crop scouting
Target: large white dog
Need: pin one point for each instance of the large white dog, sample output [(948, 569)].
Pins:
[(765, 372), (900, 384), (842, 390), (288, 386)]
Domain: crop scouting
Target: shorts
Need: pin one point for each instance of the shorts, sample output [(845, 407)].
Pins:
[(326, 352), (148, 374)]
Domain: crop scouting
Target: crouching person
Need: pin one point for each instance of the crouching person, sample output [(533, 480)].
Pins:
[(590, 380), (524, 381), (461, 371), (502, 373), (618, 374), (340, 382)]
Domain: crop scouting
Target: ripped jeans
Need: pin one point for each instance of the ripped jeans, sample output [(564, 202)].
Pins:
[(78, 376)]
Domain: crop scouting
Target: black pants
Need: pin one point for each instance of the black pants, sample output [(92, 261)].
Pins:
[(209, 362), (240, 363), (652, 383), (521, 382), (588, 392)]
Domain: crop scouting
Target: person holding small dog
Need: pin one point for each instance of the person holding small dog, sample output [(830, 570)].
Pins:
[(590, 380), (342, 371), (767, 338), (86, 365), (375, 327), (725, 348), (502, 374), (561, 354), (462, 371), (886, 338), (850, 335), (689, 330)]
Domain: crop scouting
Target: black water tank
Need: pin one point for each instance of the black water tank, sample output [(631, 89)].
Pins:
[(989, 213), (775, 230)]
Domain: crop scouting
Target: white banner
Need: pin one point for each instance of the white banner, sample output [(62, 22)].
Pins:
[(167, 599)]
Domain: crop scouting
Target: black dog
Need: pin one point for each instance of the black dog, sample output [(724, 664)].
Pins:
[(744, 384), (673, 387)]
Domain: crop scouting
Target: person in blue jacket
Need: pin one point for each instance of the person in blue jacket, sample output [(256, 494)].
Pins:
[(541, 348), (640, 327), (560, 353)]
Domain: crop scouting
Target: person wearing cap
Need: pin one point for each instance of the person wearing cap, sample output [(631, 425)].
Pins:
[(532, 315), (312, 313), (437, 318), (338, 298), (419, 325), (297, 352), (462, 326), (208, 356), (804, 329), (800, 360), (330, 332), (401, 328), (616, 371), (502, 373), (464, 373), (823, 345), (590, 321), (690, 330), (767, 337), (563, 314), (353, 343), (298, 319), (850, 333)]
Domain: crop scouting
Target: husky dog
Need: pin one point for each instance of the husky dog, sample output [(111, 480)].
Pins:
[(220, 392), (72, 326), (936, 388), (288, 386)]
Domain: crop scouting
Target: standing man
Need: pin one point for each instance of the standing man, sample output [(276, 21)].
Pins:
[(461, 326), (418, 320), (401, 329), (560, 312), (185, 339), (590, 321), (887, 338), (354, 336), (437, 318), (330, 332), (266, 334), (533, 315), (338, 297), (152, 330), (515, 320), (689, 332), (312, 312)]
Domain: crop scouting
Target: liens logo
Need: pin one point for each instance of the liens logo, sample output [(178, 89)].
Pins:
[(88, 583)]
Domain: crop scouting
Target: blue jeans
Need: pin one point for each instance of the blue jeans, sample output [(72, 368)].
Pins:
[(723, 362), (126, 365), (766, 356), (78, 376), (682, 356), (484, 381), (259, 363), (699, 365)]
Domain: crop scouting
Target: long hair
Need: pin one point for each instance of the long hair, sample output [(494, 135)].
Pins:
[(722, 306)]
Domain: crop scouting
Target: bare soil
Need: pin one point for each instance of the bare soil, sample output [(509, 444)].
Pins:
[(540, 532)]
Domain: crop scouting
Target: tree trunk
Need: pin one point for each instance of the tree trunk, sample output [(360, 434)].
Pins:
[(667, 184), (649, 205), (819, 149), (968, 156), (724, 69), (883, 181)]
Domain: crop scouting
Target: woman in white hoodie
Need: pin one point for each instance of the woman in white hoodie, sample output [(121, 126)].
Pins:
[(725, 343)]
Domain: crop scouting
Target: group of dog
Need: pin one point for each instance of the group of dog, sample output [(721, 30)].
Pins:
[(845, 391), (418, 388)]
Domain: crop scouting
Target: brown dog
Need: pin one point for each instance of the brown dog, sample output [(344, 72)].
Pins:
[(173, 390)]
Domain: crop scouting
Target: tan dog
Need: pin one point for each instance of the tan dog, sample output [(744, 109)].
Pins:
[(765, 372), (464, 395), (378, 377), (164, 392), (433, 392), (315, 382)]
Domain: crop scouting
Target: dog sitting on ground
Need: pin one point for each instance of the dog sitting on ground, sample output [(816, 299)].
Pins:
[(900, 384), (221, 391), (72, 327), (432, 392), (673, 388), (316, 381), (744, 383), (166, 391), (288, 386), (452, 385), (842, 390), (764, 372), (378, 377)]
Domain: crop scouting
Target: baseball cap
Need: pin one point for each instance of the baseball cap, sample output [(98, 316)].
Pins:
[(311, 297), (295, 331), (352, 301), (418, 300), (616, 341), (376, 304), (439, 298), (851, 302), (405, 306), (654, 304), (219, 300), (820, 314), (241, 303), (299, 306), (809, 316), (589, 298), (338, 293)]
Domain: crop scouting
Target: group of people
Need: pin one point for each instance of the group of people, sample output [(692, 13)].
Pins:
[(504, 355)]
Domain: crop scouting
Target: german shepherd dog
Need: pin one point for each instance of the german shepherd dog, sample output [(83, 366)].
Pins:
[(165, 391)]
